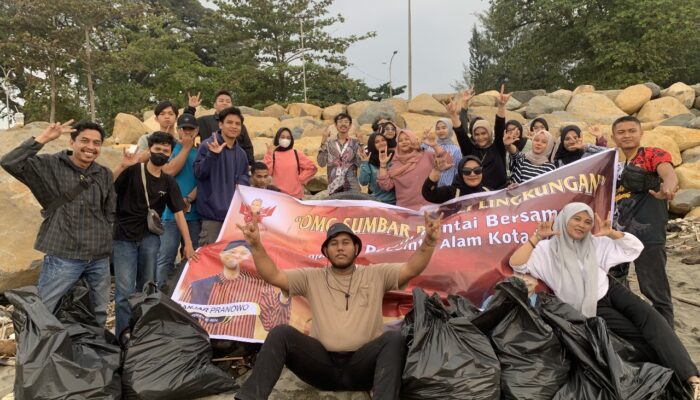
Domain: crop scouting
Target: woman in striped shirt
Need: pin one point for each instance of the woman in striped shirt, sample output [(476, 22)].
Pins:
[(525, 166)]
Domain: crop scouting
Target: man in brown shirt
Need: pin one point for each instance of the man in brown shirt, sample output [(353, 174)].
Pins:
[(347, 349)]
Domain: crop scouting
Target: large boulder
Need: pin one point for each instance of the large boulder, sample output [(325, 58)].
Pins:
[(611, 94), (584, 89), (400, 105), (250, 111), (260, 146), (691, 155), (261, 126), (300, 126), (20, 263), (513, 104), (655, 89), (562, 95), (543, 105), (489, 114), (376, 111), (594, 108), (689, 175), (426, 104), (693, 214), (632, 98), (418, 122), (446, 97), (660, 109), (274, 110), (685, 200), (696, 104), (664, 142), (696, 87), (683, 120), (128, 129), (331, 111), (152, 124), (684, 137), (304, 110), (524, 96), (355, 109), (681, 92), (486, 99)]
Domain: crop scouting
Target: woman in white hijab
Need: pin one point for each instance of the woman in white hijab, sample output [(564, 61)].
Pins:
[(574, 264)]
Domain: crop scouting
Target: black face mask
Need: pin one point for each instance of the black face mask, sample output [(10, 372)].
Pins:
[(159, 159)]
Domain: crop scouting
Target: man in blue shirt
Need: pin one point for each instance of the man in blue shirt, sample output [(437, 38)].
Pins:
[(180, 166), (221, 164)]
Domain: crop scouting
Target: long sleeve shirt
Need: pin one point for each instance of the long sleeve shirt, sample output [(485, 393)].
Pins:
[(209, 124), (368, 177), (339, 158), (521, 169), (608, 253), (218, 175), (80, 229), (493, 158), (290, 170), (409, 185)]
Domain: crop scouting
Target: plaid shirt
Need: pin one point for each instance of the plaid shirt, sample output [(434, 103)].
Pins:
[(80, 229)]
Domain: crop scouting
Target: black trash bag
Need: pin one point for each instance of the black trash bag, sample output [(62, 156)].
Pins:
[(599, 372), (448, 357), (534, 365), (59, 361), (168, 355), (76, 309)]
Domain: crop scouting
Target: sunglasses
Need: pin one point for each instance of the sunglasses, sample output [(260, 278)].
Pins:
[(475, 171)]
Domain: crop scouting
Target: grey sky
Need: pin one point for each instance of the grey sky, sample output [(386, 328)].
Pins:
[(441, 31)]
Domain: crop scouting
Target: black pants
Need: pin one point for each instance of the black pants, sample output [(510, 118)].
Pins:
[(634, 320), (377, 365), (651, 274)]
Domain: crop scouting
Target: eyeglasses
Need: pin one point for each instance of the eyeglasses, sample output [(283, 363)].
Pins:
[(511, 129), (389, 128), (475, 171)]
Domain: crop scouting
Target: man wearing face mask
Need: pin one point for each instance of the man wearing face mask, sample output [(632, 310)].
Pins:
[(135, 248)]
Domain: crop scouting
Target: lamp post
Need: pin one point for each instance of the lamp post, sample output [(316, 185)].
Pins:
[(303, 60), (391, 92), (6, 87), (410, 66)]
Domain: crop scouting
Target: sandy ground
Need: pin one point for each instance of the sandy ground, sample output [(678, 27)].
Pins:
[(685, 287)]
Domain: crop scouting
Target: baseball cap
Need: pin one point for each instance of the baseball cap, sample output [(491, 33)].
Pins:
[(187, 120)]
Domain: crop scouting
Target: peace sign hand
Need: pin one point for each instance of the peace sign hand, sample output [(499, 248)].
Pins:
[(54, 131), (214, 146), (429, 138), (545, 230), (251, 231), (466, 96), (508, 139), (194, 101), (383, 158), (443, 163), (452, 107), (596, 131), (361, 154), (433, 225)]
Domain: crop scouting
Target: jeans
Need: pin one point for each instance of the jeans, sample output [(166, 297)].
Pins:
[(58, 275), (209, 231), (169, 243), (377, 365), (634, 320), (134, 266)]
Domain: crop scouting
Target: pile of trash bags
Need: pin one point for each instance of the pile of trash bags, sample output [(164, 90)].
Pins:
[(516, 351), (66, 355)]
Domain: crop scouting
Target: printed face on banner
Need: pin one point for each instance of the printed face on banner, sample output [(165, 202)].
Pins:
[(478, 235)]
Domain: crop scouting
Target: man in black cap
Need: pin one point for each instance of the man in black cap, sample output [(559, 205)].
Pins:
[(181, 168), (347, 349)]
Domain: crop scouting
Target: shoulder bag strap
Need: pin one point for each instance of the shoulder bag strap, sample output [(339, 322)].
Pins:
[(85, 182), (143, 179)]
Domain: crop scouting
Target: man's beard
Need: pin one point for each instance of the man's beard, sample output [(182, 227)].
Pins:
[(344, 265)]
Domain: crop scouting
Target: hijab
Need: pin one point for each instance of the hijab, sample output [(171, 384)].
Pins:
[(522, 140), (578, 288), (539, 159), (540, 120), (406, 162), (458, 182), (450, 132), (276, 140), (562, 153), (482, 123)]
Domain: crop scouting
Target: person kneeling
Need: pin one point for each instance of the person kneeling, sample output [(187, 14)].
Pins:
[(347, 350), (574, 264)]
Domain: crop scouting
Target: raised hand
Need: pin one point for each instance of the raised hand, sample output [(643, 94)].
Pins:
[(194, 101), (508, 139), (545, 230), (466, 96), (596, 131), (271, 148), (433, 226), (326, 134), (664, 193), (503, 97), (604, 227), (251, 231), (214, 146), (429, 138), (362, 155), (579, 144), (129, 158), (187, 139), (383, 158), (54, 131), (443, 163)]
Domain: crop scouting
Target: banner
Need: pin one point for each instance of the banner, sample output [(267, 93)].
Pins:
[(479, 233)]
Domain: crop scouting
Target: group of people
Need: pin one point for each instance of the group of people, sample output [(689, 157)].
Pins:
[(171, 194)]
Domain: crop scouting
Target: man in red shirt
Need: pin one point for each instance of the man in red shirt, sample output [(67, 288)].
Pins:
[(645, 184)]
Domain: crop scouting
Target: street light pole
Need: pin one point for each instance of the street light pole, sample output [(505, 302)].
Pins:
[(303, 60), (6, 86), (410, 65), (391, 90)]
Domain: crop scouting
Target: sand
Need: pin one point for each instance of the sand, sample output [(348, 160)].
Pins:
[(685, 287)]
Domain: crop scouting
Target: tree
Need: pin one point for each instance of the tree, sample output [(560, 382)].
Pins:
[(272, 29), (382, 92)]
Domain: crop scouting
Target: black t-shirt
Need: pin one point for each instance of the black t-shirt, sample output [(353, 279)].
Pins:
[(130, 224)]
